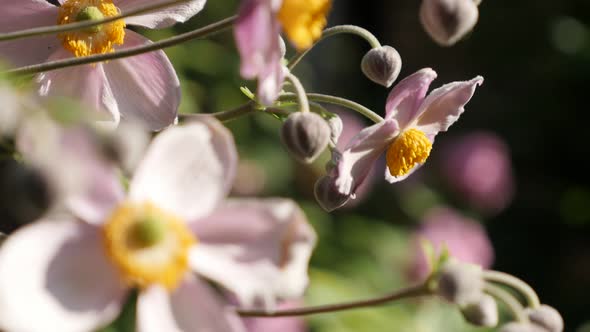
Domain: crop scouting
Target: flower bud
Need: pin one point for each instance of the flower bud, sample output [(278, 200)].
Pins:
[(382, 65), (448, 21), (460, 283), (336, 127), (546, 317), (305, 135), (328, 197), (482, 313)]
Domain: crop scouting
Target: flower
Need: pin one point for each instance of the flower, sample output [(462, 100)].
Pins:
[(173, 221), (143, 86), (412, 120), (257, 37), (477, 166), (465, 239)]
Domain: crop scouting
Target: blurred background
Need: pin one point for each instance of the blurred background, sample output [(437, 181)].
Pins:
[(507, 187)]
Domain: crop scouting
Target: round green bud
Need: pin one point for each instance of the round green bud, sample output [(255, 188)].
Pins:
[(149, 232), (90, 13)]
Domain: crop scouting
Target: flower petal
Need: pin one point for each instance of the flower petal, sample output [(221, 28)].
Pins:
[(55, 274), (444, 106), (161, 18), (194, 306), (87, 84), (353, 166), (258, 249), (81, 177), (405, 98), (25, 15), (187, 169), (257, 37), (145, 86)]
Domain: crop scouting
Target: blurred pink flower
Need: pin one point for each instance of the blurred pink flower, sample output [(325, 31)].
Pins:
[(143, 86), (465, 239), (478, 166), (174, 221), (257, 36), (280, 324), (412, 120)]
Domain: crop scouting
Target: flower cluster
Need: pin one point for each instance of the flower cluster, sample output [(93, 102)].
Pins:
[(118, 201)]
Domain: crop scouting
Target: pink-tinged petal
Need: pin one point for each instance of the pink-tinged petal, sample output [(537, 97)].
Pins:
[(355, 163), (193, 306), (404, 100), (56, 277), (81, 178), (444, 106), (187, 169), (145, 86), (393, 179), (27, 14), (257, 37), (86, 84), (257, 249), (161, 18)]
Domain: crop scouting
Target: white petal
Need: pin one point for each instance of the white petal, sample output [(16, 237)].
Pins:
[(56, 277), (194, 306), (258, 249), (162, 18), (187, 169)]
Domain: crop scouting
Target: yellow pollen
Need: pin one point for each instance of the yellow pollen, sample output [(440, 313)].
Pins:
[(410, 148), (163, 259), (96, 40), (304, 20)]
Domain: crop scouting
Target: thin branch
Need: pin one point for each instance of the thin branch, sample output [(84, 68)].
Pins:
[(410, 292), (195, 34)]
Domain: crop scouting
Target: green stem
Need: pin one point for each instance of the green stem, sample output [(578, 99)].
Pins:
[(321, 98), (225, 116), (299, 92), (509, 301), (522, 287), (199, 33), (47, 30), (351, 29), (410, 292)]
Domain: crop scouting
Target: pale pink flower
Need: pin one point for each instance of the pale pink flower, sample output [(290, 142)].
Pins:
[(465, 239), (261, 50), (143, 86), (478, 167), (412, 120), (74, 272)]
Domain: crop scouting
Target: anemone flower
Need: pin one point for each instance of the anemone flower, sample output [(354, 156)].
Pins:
[(412, 120), (73, 271), (144, 86), (257, 36)]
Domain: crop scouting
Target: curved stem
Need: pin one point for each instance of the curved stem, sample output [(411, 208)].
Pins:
[(351, 29), (338, 101), (522, 287), (299, 92), (511, 303), (410, 292), (47, 30), (225, 116), (199, 33)]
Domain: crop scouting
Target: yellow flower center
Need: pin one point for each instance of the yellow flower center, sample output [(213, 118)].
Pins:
[(93, 40), (304, 20), (148, 245), (410, 148)]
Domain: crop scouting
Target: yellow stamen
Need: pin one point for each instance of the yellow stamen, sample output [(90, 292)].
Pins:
[(95, 40), (410, 148), (148, 246), (304, 20)]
